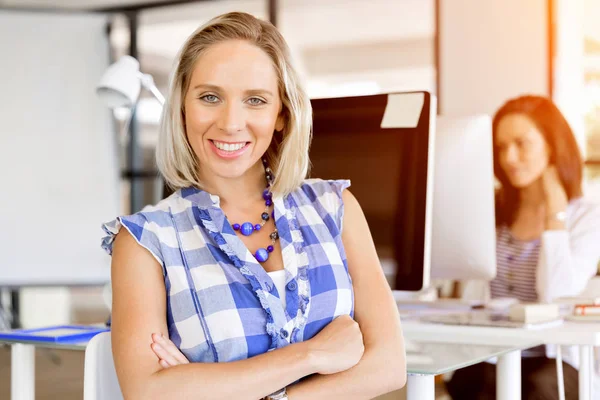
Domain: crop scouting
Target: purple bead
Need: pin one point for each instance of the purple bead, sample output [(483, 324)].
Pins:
[(236, 227), (270, 249), (257, 227), (247, 228), (273, 214), (261, 255), (268, 202), (267, 194)]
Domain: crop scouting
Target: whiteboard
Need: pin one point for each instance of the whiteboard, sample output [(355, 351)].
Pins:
[(58, 150)]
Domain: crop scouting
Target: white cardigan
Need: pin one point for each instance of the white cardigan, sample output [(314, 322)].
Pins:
[(568, 260)]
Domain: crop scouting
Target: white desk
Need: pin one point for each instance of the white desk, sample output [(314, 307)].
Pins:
[(426, 358), (22, 370), (580, 334)]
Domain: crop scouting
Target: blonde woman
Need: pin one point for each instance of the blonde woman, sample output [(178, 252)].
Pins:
[(249, 281)]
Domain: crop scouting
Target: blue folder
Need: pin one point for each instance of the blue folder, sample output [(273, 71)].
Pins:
[(55, 334)]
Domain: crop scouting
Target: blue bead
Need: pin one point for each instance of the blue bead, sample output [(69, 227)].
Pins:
[(261, 255), (257, 227), (267, 194), (236, 227), (268, 202), (273, 214), (270, 249), (247, 229)]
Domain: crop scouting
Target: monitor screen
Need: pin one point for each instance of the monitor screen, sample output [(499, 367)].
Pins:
[(389, 171)]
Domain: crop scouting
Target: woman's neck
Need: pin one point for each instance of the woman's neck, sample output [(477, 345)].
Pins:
[(532, 197), (241, 192), (529, 219)]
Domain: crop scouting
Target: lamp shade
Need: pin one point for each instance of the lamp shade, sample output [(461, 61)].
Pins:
[(120, 85)]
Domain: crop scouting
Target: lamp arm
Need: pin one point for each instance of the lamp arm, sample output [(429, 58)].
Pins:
[(148, 83)]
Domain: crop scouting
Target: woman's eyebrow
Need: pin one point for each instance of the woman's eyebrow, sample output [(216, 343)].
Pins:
[(259, 92), (208, 86)]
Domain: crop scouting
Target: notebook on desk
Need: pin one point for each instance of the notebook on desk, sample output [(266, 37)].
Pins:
[(488, 319), (54, 334)]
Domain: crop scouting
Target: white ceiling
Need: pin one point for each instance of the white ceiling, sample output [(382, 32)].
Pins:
[(315, 30), (72, 4), (365, 35)]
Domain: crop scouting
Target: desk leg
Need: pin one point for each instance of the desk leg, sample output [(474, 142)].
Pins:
[(586, 372), (420, 387), (22, 375), (508, 376)]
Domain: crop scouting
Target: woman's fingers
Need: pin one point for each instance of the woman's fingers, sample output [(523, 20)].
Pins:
[(163, 354), (175, 355), (173, 350)]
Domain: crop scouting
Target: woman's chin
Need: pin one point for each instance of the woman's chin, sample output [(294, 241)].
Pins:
[(522, 182)]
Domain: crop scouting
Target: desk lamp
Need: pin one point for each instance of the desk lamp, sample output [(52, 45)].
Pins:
[(121, 84)]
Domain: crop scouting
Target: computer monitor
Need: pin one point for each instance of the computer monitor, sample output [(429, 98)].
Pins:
[(464, 228), (384, 144)]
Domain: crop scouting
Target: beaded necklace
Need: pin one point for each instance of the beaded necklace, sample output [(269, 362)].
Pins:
[(248, 228)]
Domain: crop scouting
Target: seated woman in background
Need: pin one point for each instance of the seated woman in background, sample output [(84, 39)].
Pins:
[(207, 305), (548, 235)]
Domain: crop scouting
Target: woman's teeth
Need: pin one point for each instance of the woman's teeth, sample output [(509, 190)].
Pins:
[(228, 146)]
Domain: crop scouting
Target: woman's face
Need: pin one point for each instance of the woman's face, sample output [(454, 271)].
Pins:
[(522, 150), (232, 108)]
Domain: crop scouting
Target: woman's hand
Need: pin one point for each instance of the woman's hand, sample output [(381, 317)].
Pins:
[(556, 196), (338, 347), (168, 354)]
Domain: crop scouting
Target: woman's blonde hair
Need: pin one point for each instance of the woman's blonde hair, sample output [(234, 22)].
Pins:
[(288, 153)]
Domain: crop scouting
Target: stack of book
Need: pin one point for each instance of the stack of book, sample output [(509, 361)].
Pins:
[(583, 309), (586, 312)]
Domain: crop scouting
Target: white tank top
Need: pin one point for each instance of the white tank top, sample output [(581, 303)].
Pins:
[(278, 278)]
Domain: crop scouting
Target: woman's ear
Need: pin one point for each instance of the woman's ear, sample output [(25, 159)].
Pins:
[(280, 123)]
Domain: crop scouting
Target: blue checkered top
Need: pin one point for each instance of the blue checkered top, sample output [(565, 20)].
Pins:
[(221, 304)]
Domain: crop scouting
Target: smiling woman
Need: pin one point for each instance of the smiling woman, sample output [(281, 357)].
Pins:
[(230, 125), (247, 270)]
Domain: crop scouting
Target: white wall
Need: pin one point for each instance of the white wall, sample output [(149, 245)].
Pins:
[(569, 74), (58, 159), (491, 51)]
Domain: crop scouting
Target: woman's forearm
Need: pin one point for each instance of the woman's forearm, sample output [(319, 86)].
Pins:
[(381, 370), (250, 379)]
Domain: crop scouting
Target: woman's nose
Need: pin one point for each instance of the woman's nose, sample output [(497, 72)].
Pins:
[(231, 118), (511, 155)]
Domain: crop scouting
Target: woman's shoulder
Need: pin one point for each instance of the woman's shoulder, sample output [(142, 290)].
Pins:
[(583, 205), (323, 196), (160, 213), (585, 211), (315, 188), (150, 226)]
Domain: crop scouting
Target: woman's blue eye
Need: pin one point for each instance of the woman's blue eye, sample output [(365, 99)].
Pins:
[(210, 98), (255, 101)]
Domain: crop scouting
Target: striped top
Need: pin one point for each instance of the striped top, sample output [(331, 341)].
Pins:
[(221, 304), (516, 266)]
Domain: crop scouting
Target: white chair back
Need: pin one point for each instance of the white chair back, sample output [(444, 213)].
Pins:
[(99, 377)]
